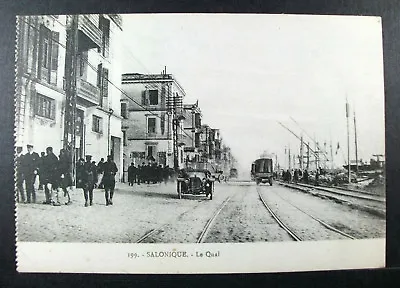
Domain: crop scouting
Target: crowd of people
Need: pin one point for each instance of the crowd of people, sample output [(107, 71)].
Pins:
[(55, 176), (149, 173), (299, 176)]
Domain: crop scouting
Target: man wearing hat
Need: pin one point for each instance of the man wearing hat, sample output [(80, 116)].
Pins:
[(19, 176), (51, 177), (30, 170), (110, 169), (89, 177)]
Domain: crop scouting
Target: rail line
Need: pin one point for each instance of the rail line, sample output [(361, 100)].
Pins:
[(345, 192), (210, 222), (281, 224), (153, 231), (326, 225)]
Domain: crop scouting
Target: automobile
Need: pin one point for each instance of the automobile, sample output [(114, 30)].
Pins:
[(195, 182)]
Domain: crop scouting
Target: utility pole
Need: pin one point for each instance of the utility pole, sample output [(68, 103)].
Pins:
[(348, 140), (289, 159), (175, 134), (331, 156), (308, 155), (70, 89), (355, 140), (301, 153)]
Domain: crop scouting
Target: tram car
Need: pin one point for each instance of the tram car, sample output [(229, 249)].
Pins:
[(195, 182), (262, 171)]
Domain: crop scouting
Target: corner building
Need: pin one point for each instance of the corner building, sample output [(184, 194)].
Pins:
[(150, 103), (40, 84)]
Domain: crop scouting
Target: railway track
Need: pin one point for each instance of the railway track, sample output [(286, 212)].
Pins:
[(157, 229), (375, 205), (281, 224), (326, 225), (203, 233), (210, 222), (346, 192)]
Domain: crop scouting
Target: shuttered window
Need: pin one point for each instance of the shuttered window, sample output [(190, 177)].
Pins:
[(102, 82), (48, 54), (104, 25), (151, 125), (45, 107), (97, 124)]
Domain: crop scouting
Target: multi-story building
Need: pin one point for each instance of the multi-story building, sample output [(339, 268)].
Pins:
[(41, 82), (151, 105), (192, 127)]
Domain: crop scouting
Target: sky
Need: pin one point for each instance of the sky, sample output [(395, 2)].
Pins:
[(252, 71)]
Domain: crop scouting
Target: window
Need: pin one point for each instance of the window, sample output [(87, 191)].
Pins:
[(45, 107), (153, 97), (151, 125), (150, 150), (197, 120), (102, 82), (197, 140), (83, 61), (124, 111), (104, 25), (48, 55), (124, 138), (97, 124)]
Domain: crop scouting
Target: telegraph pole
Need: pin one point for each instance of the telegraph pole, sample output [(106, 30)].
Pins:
[(308, 155), (348, 140), (175, 134), (70, 89)]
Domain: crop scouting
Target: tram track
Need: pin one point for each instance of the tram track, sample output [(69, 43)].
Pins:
[(210, 222), (291, 233), (326, 225), (375, 205), (161, 227)]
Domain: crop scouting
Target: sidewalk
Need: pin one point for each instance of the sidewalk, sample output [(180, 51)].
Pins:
[(97, 223)]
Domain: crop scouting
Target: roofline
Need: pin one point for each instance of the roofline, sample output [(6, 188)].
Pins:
[(169, 78)]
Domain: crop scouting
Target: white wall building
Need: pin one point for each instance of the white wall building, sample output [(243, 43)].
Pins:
[(40, 95), (148, 108)]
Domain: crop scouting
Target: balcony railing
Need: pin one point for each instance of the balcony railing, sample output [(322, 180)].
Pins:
[(88, 92), (92, 35)]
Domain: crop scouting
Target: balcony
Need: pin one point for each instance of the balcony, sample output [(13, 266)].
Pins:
[(90, 36), (88, 93)]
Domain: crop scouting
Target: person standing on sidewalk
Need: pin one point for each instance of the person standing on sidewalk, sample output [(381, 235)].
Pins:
[(65, 167), (110, 169), (30, 170), (40, 168), (52, 177), (19, 176)]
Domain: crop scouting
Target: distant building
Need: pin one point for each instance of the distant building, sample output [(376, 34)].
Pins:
[(40, 84), (192, 127), (150, 103)]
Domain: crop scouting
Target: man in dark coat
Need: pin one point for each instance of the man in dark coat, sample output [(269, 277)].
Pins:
[(110, 169), (89, 177), (30, 170), (65, 168), (19, 175), (131, 174), (52, 177)]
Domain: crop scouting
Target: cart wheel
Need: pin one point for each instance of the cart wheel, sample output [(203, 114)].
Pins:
[(179, 188)]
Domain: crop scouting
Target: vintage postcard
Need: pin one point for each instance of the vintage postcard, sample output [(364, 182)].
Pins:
[(199, 143)]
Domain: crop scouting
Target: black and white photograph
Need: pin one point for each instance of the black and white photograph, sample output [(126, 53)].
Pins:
[(199, 143)]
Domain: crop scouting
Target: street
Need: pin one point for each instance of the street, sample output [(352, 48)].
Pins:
[(152, 213)]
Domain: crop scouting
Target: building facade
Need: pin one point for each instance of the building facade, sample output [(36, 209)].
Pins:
[(192, 127), (152, 106), (40, 84)]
